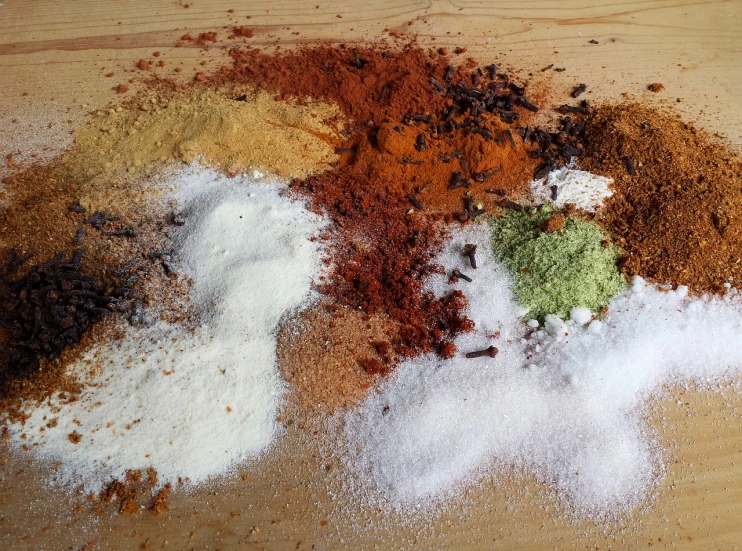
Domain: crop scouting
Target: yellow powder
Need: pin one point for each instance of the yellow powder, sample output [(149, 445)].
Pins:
[(259, 133)]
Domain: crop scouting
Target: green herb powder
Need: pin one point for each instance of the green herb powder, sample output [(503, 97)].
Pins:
[(556, 271)]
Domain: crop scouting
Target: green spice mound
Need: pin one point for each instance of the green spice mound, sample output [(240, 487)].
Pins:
[(555, 271)]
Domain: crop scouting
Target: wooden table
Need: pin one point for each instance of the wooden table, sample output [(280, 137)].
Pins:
[(55, 59)]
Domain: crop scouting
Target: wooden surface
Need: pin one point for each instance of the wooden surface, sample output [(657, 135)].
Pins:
[(54, 58)]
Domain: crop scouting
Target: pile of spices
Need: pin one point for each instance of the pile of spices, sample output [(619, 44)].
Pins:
[(569, 409), (677, 207), (120, 269), (246, 130), (453, 172), (191, 402), (443, 143), (557, 263)]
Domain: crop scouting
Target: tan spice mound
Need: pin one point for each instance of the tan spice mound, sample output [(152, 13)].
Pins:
[(321, 355), (679, 217), (254, 131)]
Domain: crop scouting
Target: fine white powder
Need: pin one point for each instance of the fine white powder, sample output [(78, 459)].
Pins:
[(585, 190), (192, 404), (565, 404)]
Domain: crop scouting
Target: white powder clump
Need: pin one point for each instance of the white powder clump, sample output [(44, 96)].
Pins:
[(193, 403), (580, 315), (568, 408), (585, 190)]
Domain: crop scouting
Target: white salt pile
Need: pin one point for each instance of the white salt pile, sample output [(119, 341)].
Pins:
[(585, 190), (565, 404), (192, 404)]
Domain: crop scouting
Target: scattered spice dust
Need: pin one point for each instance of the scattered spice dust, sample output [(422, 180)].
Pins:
[(134, 493)]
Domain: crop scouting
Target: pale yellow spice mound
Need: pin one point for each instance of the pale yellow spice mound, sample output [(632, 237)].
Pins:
[(255, 132)]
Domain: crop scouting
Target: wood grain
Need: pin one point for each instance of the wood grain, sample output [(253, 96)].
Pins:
[(54, 58)]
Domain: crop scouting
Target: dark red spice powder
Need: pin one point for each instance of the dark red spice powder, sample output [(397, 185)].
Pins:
[(381, 259)]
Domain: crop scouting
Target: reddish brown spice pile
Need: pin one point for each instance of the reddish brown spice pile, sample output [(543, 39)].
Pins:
[(677, 208)]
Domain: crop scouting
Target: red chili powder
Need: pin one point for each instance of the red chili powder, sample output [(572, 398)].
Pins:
[(369, 84), (390, 159)]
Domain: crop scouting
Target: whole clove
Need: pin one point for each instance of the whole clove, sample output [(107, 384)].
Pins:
[(422, 118), (128, 231), (490, 351), (566, 109), (447, 157), (482, 177), (571, 150), (579, 90), (523, 102), (438, 86), (456, 274), (470, 251), (542, 171), (358, 63), (99, 219), (508, 204), (458, 181), (629, 162), (415, 202), (420, 144)]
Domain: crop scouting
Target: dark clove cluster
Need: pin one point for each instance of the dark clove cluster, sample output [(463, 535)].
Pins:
[(483, 92), (556, 148), (49, 309)]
